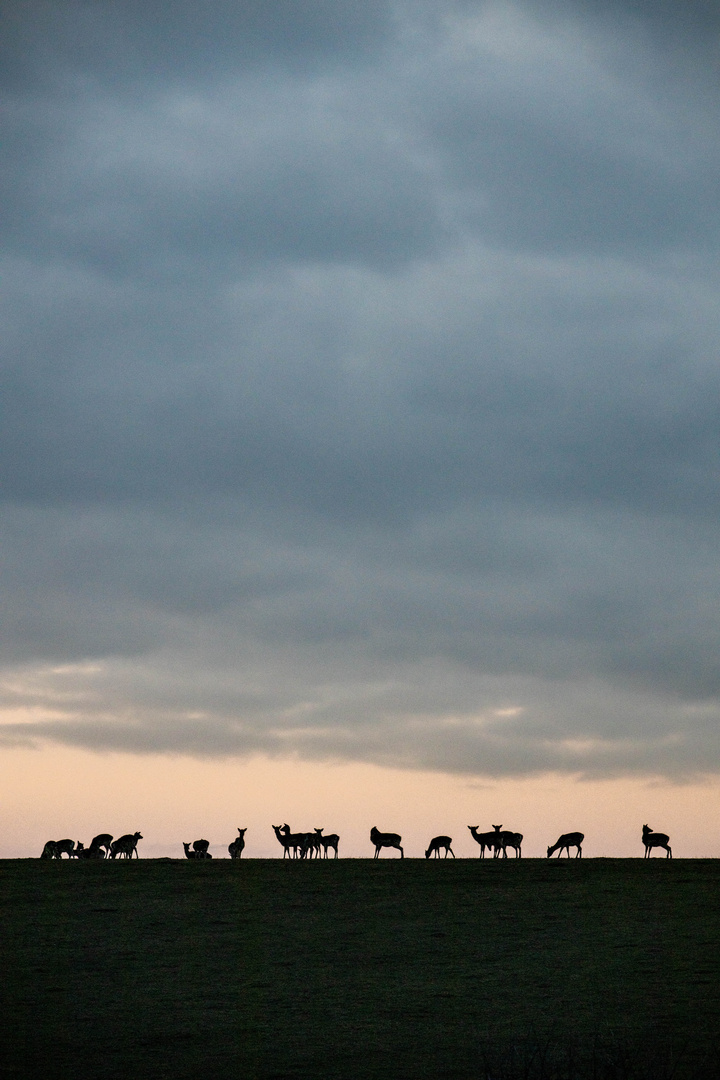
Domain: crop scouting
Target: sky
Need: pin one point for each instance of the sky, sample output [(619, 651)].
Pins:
[(360, 421)]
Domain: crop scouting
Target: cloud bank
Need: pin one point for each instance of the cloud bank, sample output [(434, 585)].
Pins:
[(361, 386)]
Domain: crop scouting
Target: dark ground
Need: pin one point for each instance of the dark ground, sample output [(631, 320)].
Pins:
[(393, 969)]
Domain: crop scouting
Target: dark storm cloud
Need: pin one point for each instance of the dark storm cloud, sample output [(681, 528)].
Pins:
[(556, 149), (361, 381), (172, 187), (118, 41), (622, 415), (692, 26)]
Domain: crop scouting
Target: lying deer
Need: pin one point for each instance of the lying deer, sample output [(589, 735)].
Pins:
[(196, 853), (81, 852)]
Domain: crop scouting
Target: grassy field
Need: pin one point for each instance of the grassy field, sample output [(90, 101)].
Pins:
[(354, 968)]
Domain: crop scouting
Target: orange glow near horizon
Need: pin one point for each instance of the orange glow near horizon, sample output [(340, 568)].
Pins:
[(52, 793)]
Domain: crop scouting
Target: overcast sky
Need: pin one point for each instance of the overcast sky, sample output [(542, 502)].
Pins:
[(361, 387)]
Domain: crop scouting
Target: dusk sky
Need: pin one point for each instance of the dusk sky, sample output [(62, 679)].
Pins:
[(360, 421)]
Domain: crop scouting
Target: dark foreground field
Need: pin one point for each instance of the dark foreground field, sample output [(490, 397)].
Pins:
[(259, 968)]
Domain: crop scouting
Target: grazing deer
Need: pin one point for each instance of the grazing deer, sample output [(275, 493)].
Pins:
[(50, 850), (64, 847), (438, 842), (565, 842), (101, 841), (385, 839), (655, 839), (330, 841), (509, 839), (201, 846), (487, 840), (236, 847), (125, 845)]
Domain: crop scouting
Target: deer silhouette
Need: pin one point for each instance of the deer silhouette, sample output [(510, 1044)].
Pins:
[(125, 845), (330, 841), (385, 839), (509, 839), (438, 842), (196, 853), (487, 840), (565, 842), (655, 839), (81, 852), (237, 845), (102, 840), (299, 842), (310, 847), (288, 840), (64, 847)]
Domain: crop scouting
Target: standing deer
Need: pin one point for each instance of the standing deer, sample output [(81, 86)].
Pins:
[(287, 840), (326, 842), (315, 847), (236, 847), (125, 845), (565, 842), (298, 841), (509, 839), (310, 845), (438, 842), (385, 839), (487, 840), (102, 840), (655, 839)]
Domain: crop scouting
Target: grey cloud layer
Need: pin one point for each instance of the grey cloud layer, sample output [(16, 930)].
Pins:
[(362, 386)]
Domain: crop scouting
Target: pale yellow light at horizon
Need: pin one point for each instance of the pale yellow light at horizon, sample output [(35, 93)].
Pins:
[(52, 793)]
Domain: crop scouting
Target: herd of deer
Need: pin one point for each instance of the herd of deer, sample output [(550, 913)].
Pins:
[(200, 847), (315, 845), (306, 845), (101, 847)]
